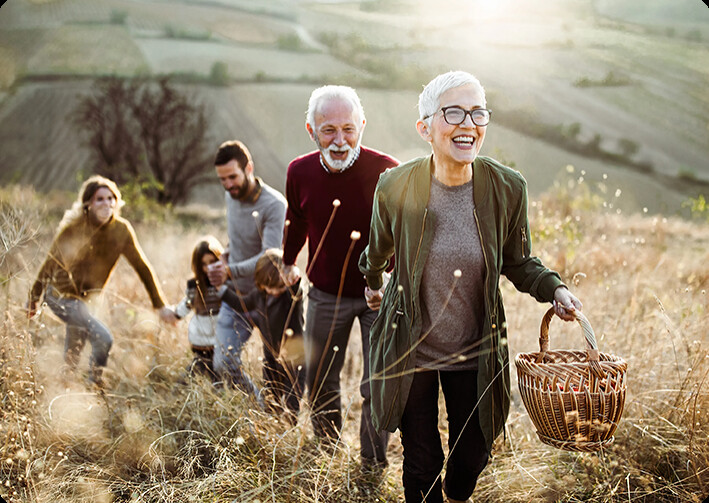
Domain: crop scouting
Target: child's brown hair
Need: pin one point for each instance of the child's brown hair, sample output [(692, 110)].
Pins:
[(207, 244), (269, 269)]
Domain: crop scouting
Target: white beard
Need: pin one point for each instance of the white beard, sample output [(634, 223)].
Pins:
[(344, 163)]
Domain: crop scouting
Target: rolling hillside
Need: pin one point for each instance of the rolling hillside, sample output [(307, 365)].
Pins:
[(634, 92)]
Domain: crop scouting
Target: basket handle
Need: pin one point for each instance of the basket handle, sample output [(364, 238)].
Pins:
[(591, 344)]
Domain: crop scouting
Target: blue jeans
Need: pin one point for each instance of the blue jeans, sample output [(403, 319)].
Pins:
[(423, 454), (327, 325), (80, 326), (233, 331)]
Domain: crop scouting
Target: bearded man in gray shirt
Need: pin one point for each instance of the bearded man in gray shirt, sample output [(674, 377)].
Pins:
[(256, 215)]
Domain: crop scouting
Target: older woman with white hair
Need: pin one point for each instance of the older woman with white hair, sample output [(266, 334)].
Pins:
[(90, 240), (455, 221)]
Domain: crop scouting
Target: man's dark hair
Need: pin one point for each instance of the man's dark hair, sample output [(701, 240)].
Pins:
[(233, 150)]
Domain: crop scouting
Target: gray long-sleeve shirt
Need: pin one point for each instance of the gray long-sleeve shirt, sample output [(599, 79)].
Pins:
[(253, 227)]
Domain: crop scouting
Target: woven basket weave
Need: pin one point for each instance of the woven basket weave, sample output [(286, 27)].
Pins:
[(574, 398)]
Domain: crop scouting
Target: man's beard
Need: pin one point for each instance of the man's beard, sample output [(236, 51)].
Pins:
[(242, 191), (344, 163)]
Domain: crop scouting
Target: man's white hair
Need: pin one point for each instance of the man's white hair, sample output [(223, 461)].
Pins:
[(430, 97), (326, 93)]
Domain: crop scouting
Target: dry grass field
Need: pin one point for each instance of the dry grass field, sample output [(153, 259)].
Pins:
[(247, 62), (88, 50), (612, 232), (149, 438)]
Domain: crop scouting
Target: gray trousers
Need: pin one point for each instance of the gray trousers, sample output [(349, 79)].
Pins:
[(328, 326), (80, 327)]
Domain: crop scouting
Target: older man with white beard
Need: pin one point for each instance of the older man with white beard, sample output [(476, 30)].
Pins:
[(330, 193)]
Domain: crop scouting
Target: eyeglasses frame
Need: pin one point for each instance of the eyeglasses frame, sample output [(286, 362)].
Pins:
[(465, 113)]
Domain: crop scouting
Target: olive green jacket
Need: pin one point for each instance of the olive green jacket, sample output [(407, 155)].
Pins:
[(402, 227)]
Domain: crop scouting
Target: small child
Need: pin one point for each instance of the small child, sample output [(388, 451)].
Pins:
[(279, 318), (204, 299)]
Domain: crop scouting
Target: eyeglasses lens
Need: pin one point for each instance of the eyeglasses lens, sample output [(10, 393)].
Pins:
[(455, 116)]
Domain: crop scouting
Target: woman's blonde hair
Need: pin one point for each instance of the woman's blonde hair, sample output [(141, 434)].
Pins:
[(79, 209)]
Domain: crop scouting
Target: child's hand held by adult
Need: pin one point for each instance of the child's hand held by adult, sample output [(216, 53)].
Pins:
[(291, 274), (168, 316)]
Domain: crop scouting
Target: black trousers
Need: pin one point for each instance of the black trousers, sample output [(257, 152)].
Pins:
[(202, 363), (423, 453)]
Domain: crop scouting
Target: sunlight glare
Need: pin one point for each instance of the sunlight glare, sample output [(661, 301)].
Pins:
[(447, 12)]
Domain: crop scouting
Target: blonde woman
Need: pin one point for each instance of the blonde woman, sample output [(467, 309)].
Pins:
[(89, 241)]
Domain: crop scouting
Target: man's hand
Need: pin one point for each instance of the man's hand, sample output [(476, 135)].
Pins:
[(291, 274), (565, 303), (374, 298), (168, 316), (217, 273)]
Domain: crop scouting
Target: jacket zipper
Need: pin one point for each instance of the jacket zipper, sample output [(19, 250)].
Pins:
[(491, 315), (487, 268), (418, 251), (524, 242), (411, 324)]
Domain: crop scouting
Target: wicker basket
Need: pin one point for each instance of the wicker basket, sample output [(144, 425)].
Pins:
[(574, 398)]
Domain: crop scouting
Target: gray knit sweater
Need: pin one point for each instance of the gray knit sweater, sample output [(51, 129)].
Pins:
[(253, 227), (453, 309)]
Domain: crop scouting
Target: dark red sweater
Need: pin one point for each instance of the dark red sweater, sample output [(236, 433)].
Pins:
[(310, 191)]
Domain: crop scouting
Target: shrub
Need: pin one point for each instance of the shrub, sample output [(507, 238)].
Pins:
[(118, 16), (685, 173), (611, 79), (219, 74), (698, 207), (694, 36), (290, 42), (628, 147), (141, 130)]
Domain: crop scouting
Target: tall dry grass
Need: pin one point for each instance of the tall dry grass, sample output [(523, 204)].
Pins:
[(148, 438)]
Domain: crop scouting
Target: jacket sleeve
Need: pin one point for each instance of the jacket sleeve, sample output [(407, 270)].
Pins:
[(183, 308), (53, 261), (136, 258), (376, 257), (525, 271), (187, 303), (244, 303), (43, 276)]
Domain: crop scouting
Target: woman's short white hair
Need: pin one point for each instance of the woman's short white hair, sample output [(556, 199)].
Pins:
[(430, 97), (326, 93)]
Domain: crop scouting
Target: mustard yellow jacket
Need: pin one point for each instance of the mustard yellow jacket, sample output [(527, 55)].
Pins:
[(83, 256)]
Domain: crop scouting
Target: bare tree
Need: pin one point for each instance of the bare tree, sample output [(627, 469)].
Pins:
[(147, 132)]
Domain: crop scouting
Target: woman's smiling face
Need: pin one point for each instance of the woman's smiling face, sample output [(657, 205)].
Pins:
[(102, 205), (460, 144)]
